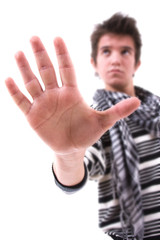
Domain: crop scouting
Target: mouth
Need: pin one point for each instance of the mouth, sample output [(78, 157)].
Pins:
[(115, 70)]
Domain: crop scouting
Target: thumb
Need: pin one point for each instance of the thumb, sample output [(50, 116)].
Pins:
[(121, 110)]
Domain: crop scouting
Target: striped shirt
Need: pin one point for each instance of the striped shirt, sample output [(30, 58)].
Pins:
[(98, 162)]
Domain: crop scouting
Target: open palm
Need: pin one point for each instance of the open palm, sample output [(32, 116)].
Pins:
[(59, 114)]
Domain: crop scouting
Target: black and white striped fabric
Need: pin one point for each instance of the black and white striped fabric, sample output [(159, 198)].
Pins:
[(125, 157)]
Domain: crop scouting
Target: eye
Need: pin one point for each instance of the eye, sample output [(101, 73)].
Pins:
[(125, 52), (106, 51)]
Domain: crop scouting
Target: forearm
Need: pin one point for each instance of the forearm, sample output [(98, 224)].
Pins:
[(69, 169)]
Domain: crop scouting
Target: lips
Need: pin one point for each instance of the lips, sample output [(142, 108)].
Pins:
[(115, 70)]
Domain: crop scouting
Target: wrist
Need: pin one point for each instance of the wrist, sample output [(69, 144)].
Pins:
[(72, 188), (69, 168), (71, 157)]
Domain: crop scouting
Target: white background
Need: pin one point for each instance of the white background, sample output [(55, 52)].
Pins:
[(31, 207)]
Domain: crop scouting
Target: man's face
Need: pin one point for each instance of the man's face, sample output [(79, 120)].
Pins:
[(116, 62)]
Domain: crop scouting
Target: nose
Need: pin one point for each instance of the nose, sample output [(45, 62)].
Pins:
[(115, 59)]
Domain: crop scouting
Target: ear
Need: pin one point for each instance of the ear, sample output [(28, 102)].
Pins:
[(95, 67), (93, 63), (137, 65)]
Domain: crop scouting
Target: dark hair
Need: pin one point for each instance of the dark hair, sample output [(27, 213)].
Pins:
[(117, 24)]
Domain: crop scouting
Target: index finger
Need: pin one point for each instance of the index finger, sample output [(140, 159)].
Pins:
[(66, 67)]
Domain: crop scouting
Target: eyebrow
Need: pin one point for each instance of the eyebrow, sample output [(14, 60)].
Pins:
[(128, 48)]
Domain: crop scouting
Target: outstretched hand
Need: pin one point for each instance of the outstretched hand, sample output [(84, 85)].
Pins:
[(59, 114)]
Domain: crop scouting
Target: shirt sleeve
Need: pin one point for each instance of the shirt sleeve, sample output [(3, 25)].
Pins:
[(74, 188)]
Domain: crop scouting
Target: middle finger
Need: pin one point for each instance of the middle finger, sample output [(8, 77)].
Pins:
[(44, 63)]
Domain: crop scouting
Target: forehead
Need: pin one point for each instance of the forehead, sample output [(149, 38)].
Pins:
[(116, 41)]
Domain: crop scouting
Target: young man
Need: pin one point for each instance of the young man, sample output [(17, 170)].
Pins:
[(125, 159)]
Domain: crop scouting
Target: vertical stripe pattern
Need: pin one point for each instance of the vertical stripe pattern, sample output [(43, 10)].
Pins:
[(124, 157)]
